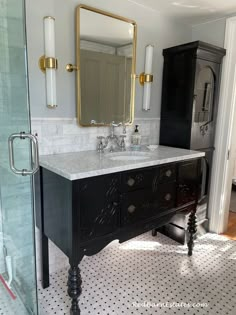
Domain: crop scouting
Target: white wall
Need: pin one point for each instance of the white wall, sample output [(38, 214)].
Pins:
[(211, 32), (152, 28)]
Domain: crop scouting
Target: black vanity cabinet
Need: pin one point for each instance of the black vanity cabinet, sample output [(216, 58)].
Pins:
[(82, 216)]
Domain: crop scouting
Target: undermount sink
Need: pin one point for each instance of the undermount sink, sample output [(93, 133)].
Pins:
[(128, 156)]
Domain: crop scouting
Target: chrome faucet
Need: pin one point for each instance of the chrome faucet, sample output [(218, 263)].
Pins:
[(114, 139)]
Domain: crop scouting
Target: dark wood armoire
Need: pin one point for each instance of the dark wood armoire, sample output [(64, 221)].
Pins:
[(190, 95)]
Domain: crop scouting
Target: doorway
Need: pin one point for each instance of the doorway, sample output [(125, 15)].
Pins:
[(225, 148), (231, 229)]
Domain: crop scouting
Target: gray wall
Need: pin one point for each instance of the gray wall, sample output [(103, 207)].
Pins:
[(152, 29), (211, 32)]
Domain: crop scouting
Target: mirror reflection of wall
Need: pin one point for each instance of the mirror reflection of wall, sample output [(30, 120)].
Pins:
[(205, 95), (106, 68)]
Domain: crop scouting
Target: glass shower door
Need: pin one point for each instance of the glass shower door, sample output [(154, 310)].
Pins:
[(18, 294)]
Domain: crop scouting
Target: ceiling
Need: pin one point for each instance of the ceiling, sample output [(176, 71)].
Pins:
[(190, 11)]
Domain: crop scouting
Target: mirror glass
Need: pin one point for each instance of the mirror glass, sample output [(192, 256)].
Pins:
[(205, 95), (106, 46)]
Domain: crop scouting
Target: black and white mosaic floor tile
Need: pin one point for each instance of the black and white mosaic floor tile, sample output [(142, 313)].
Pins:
[(151, 276)]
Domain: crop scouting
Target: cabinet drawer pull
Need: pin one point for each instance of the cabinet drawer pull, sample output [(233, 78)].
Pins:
[(131, 209), (131, 182), (168, 197), (168, 173)]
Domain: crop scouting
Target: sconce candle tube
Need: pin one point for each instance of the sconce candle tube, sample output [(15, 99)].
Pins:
[(148, 70), (146, 96), (51, 88), (148, 59), (50, 55), (49, 36)]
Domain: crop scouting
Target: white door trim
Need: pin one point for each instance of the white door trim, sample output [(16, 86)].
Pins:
[(222, 169)]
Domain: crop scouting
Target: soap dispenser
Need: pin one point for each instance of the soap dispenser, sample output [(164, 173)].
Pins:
[(136, 139)]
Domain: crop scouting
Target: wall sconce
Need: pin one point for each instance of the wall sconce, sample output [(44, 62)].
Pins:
[(146, 78), (48, 62)]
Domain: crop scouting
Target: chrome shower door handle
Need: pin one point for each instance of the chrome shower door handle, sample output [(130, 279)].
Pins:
[(35, 155)]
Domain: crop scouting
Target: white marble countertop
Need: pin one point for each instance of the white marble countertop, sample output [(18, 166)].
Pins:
[(78, 165)]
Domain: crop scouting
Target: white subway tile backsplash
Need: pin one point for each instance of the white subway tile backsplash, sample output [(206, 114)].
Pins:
[(65, 135)]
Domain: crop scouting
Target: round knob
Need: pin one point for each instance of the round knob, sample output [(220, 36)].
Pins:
[(131, 182), (71, 68), (131, 209), (168, 173), (168, 197)]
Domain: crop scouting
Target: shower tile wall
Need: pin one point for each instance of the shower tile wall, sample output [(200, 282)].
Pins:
[(65, 135), (15, 193), (4, 61)]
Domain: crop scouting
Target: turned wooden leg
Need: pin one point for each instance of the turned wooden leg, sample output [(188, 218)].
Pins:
[(74, 289), (192, 229), (154, 232), (44, 260)]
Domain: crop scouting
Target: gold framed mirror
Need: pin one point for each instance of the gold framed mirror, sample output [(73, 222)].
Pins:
[(106, 61)]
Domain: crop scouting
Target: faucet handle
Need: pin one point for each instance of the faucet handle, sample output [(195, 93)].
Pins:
[(101, 146)]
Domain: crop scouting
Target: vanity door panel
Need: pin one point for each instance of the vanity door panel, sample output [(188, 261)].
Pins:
[(188, 181), (99, 206)]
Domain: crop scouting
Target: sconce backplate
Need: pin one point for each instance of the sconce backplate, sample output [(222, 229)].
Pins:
[(145, 78), (47, 63)]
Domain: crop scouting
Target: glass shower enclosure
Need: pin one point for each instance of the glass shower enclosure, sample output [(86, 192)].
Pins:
[(18, 292)]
